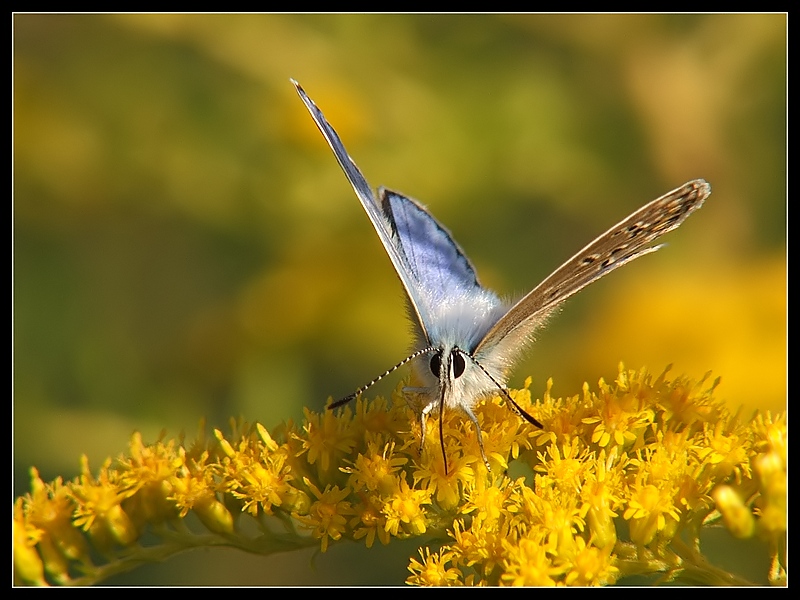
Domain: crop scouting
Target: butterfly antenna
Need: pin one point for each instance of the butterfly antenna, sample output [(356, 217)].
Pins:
[(364, 388), (505, 393)]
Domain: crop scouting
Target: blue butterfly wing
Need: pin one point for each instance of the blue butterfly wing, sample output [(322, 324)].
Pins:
[(436, 262), (430, 265)]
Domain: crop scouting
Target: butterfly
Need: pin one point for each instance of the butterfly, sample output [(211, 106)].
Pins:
[(468, 338)]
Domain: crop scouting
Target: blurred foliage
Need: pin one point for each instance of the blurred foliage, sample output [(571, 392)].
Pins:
[(184, 244)]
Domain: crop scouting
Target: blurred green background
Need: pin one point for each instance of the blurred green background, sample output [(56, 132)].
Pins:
[(185, 245)]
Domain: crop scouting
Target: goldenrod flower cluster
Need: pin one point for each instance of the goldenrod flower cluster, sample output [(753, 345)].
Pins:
[(622, 481)]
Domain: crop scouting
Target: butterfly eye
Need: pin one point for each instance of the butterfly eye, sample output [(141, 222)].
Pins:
[(458, 365), (436, 363)]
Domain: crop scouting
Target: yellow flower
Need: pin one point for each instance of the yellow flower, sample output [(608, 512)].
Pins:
[(591, 566), (147, 472), (446, 486), (256, 472), (481, 545), (27, 562), (375, 470), (771, 435), (404, 512), (327, 517), (686, 404), (650, 510), (505, 434), (265, 484), (618, 455), (192, 493), (563, 520), (725, 452), (45, 517), (375, 417), (527, 564), (369, 523), (433, 570), (327, 437), (622, 418), (601, 493), (564, 468), (487, 501), (99, 507)]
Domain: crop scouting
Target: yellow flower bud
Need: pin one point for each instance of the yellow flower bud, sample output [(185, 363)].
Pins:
[(737, 517), (644, 529), (214, 515), (71, 544), (417, 526), (771, 473), (55, 563), (601, 527), (224, 444), (120, 526), (158, 505), (271, 445), (296, 501), (27, 562)]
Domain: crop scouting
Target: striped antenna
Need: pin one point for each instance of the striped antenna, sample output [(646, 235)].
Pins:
[(364, 388)]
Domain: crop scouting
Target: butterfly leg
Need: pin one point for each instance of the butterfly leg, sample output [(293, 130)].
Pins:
[(423, 425), (474, 420), (420, 399)]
